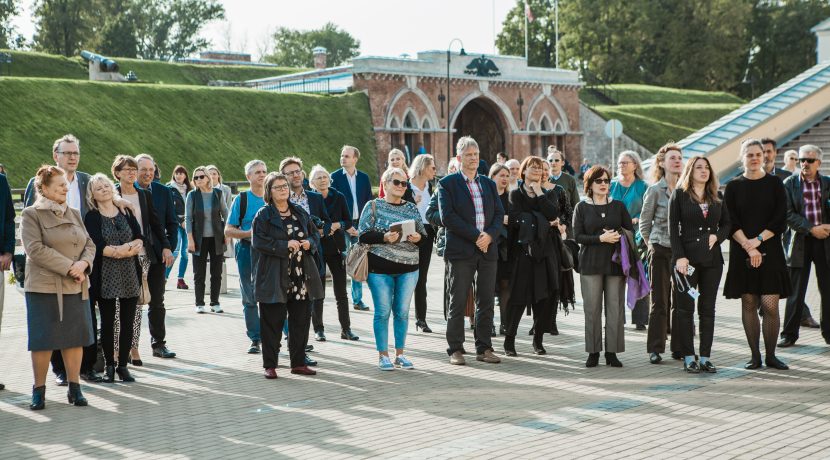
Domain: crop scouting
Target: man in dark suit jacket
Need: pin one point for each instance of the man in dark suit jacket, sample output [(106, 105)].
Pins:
[(313, 203), (472, 215), (6, 238), (806, 241), (166, 215), (357, 189)]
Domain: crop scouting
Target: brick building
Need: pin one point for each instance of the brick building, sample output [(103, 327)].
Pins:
[(499, 100)]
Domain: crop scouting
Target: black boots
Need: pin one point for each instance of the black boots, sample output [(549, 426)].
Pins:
[(38, 398), (537, 344), (75, 396), (510, 345), (109, 374), (611, 360), (124, 374)]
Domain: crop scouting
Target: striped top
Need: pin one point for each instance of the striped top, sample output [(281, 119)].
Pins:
[(402, 252)]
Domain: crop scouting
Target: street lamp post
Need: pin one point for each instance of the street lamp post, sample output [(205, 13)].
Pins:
[(449, 113)]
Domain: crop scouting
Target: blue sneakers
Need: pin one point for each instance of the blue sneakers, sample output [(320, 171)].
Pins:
[(385, 364), (403, 362)]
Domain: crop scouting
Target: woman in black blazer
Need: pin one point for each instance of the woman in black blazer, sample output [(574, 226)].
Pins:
[(698, 224), (115, 282), (125, 171)]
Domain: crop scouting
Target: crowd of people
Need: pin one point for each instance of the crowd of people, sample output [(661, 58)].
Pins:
[(517, 234)]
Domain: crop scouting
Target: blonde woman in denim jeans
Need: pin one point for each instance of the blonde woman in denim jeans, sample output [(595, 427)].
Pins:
[(393, 265)]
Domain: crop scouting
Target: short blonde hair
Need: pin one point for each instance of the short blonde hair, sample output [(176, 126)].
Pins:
[(420, 164), (387, 175), (97, 178)]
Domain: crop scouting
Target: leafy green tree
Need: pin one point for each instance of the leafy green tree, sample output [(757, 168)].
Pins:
[(168, 29), (293, 48), (118, 35), (63, 26), (8, 10)]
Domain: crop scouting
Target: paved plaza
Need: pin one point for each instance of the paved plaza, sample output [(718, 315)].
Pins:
[(212, 401)]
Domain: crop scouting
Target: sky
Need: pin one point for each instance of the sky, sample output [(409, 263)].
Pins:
[(383, 27)]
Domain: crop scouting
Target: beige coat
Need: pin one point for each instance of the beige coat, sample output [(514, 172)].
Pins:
[(53, 243)]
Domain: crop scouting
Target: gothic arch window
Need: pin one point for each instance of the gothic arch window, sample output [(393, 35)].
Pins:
[(410, 122), (427, 135)]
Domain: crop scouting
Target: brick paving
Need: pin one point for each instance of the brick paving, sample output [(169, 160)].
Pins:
[(212, 402)]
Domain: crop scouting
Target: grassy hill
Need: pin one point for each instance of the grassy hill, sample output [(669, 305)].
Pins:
[(652, 115), (40, 65), (177, 124)]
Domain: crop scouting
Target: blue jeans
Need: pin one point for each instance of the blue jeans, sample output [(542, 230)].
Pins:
[(181, 250), (246, 287), (357, 286), (391, 294)]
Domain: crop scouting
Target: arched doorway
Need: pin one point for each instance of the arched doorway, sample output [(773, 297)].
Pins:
[(481, 120)]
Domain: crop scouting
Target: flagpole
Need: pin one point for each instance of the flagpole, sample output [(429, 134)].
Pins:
[(556, 12), (525, 15)]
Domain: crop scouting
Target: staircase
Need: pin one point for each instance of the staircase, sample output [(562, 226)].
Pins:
[(817, 135)]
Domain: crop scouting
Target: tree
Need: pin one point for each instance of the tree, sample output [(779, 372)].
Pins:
[(8, 10), (169, 29), (63, 26), (118, 35), (293, 48)]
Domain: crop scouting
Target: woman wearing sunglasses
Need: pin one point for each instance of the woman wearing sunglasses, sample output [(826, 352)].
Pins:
[(757, 272), (598, 221), (698, 224), (393, 264), (205, 214)]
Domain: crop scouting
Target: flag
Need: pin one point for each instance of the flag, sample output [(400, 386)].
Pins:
[(528, 13)]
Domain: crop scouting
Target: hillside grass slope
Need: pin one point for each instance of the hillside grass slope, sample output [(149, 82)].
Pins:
[(187, 125)]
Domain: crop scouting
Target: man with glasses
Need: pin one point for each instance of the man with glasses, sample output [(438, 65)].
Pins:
[(243, 210), (806, 241), (559, 177), (313, 203), (166, 214), (357, 189)]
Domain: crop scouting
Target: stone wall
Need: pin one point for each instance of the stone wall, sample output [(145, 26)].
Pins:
[(596, 146)]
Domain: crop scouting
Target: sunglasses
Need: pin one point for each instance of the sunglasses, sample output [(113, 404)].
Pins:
[(398, 183), (808, 160), (602, 181), (199, 177)]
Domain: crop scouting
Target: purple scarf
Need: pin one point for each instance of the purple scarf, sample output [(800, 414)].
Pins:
[(633, 270)]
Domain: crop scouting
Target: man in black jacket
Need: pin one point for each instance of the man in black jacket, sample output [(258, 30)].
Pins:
[(6, 238), (166, 214), (806, 241)]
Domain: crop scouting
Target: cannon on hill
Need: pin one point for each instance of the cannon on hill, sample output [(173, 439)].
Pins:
[(102, 68)]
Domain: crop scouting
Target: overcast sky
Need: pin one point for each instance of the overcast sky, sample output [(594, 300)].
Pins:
[(384, 27)]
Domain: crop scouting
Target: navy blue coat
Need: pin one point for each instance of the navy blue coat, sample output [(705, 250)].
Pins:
[(458, 216), (163, 203), (363, 192), (317, 206), (6, 218)]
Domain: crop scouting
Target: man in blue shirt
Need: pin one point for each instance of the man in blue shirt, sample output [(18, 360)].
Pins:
[(357, 189), (243, 210)]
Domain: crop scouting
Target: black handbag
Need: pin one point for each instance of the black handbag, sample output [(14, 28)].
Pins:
[(19, 268)]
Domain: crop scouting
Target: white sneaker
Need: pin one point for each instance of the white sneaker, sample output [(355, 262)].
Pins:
[(200, 308), (216, 308)]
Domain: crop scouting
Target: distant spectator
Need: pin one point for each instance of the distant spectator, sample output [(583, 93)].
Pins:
[(396, 159), (513, 165), (583, 169), (501, 158), (790, 161), (770, 152), (180, 186), (2, 169)]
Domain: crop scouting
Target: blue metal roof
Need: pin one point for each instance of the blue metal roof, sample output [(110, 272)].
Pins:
[(735, 124)]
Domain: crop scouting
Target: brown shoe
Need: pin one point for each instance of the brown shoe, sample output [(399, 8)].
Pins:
[(810, 322), (458, 359), (488, 357)]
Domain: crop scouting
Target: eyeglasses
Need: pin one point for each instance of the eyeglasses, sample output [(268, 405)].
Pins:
[(624, 163), (199, 177), (555, 160), (808, 160), (296, 172), (398, 183), (279, 187), (602, 181), (129, 170), (71, 154)]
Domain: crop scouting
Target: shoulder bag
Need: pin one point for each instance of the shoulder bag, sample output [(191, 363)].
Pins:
[(357, 259)]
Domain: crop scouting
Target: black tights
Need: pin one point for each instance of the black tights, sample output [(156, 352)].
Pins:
[(752, 325)]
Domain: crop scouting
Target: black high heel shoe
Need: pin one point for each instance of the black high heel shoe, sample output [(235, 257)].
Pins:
[(423, 326), (109, 374), (753, 363), (775, 363), (38, 398), (611, 360), (593, 360), (124, 374), (537, 346), (74, 395), (510, 346)]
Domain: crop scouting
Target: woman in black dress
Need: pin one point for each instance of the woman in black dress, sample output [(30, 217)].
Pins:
[(500, 174), (757, 273), (533, 223)]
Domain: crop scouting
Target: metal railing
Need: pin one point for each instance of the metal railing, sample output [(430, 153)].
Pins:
[(602, 90), (315, 85)]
